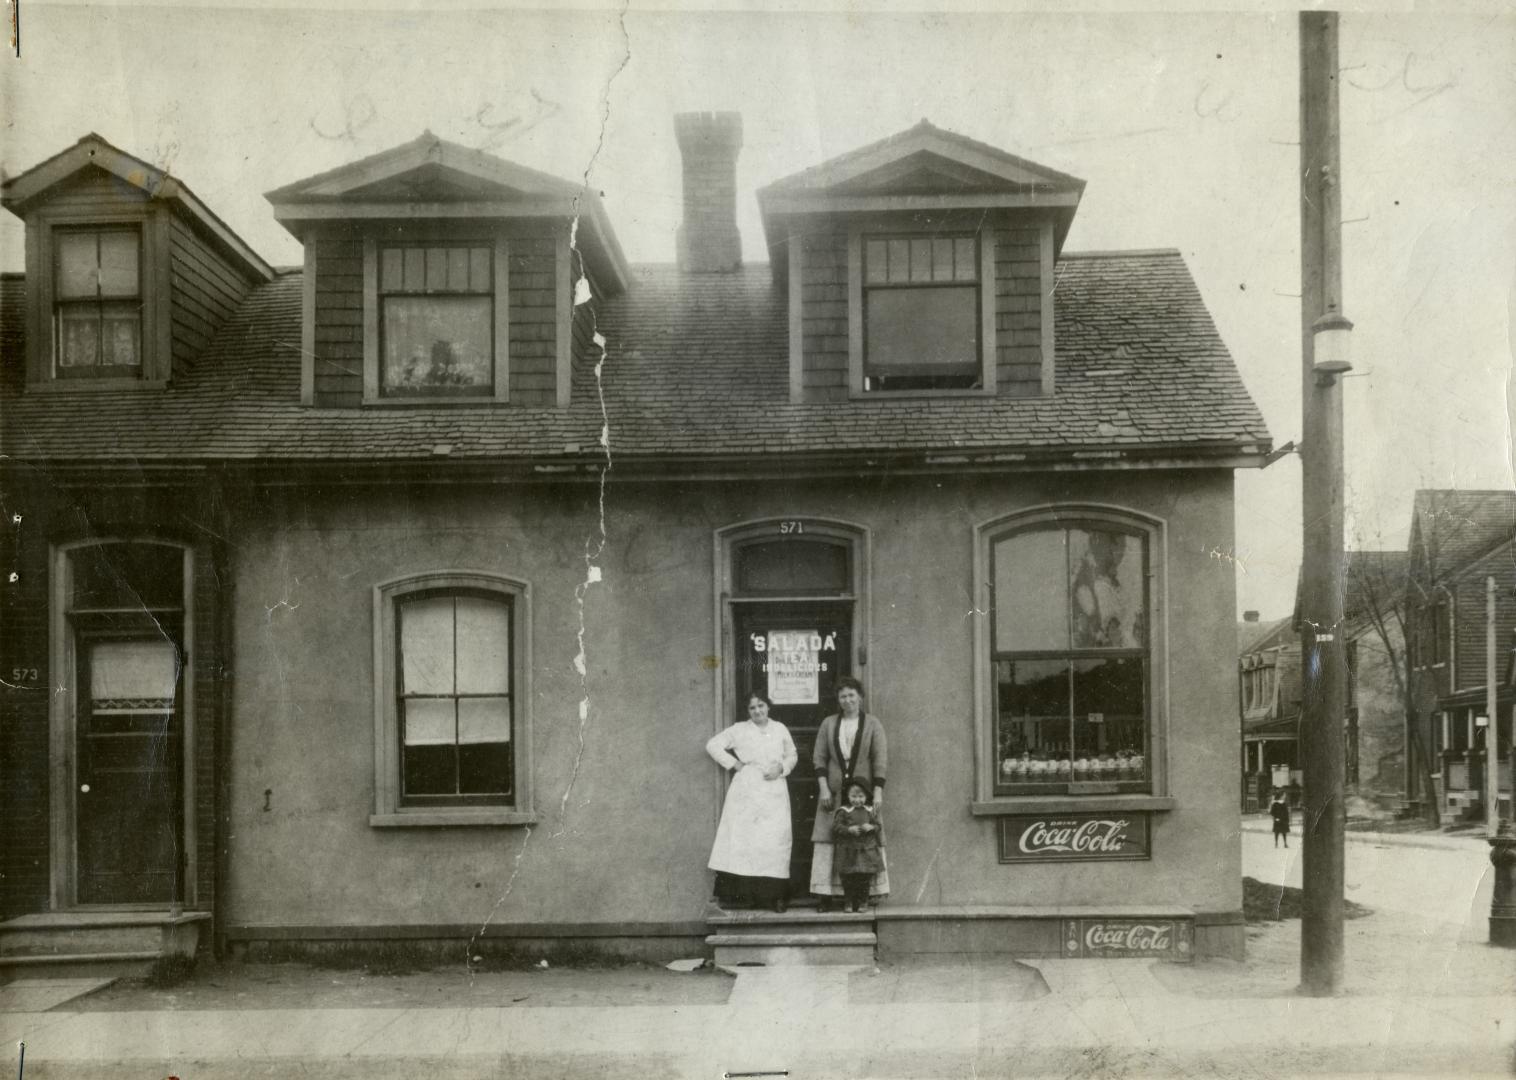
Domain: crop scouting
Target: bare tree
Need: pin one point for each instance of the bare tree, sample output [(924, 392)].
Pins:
[(1379, 589)]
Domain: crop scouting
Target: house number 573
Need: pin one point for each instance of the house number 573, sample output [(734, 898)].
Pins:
[(789, 528)]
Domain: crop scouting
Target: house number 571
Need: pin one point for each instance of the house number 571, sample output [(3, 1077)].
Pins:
[(788, 528)]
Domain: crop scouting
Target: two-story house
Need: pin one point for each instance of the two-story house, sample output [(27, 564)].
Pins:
[(1268, 704), (1373, 729), (394, 596), (1459, 540)]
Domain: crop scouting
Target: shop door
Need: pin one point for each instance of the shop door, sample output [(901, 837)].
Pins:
[(793, 653), (127, 777)]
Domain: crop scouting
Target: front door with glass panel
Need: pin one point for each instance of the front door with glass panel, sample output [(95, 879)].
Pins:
[(792, 639), (123, 778), (128, 769)]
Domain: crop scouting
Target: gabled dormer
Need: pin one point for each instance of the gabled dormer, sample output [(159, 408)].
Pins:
[(920, 265), (437, 274), (128, 274)]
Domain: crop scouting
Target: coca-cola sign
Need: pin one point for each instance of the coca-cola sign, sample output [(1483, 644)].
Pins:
[(1067, 837), (1101, 938)]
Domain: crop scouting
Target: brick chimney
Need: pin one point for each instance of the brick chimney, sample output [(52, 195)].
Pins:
[(1250, 616), (708, 241)]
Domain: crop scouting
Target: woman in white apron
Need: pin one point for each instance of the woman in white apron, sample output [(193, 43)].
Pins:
[(751, 855)]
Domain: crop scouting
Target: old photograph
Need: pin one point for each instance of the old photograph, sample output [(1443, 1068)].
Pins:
[(756, 540)]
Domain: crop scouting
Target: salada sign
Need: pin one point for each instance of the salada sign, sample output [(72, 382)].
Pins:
[(1100, 939), (794, 661), (1074, 837)]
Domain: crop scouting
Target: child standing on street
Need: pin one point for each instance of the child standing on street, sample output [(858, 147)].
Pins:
[(1279, 810), (857, 834)]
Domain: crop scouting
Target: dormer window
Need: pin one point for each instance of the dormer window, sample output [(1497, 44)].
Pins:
[(438, 275), (128, 274), (437, 321), (98, 303), (918, 266), (921, 313)]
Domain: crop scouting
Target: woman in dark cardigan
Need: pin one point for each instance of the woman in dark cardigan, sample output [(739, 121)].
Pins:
[(850, 744)]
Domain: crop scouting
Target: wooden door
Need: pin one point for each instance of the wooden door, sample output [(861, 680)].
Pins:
[(127, 776), (793, 653)]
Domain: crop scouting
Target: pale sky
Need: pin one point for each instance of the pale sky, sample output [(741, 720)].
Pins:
[(1183, 125)]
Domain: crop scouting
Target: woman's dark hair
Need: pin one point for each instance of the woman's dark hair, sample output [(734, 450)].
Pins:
[(847, 682), (755, 695)]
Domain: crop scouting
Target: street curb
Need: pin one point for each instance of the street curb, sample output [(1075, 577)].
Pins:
[(1442, 842)]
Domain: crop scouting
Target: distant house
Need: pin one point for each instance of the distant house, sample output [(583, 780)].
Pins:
[(1269, 688), (1268, 702), (1458, 540)]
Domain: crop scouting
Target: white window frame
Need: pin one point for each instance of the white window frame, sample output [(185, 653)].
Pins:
[(1053, 516), (372, 389), (857, 362), (154, 290), (388, 811)]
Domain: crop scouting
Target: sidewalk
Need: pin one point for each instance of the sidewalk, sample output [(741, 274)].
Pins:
[(949, 1019), (1260, 823)]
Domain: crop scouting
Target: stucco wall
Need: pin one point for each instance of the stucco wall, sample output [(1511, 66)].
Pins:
[(628, 801)]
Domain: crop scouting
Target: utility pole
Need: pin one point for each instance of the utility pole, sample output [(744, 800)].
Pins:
[(1491, 716), (1325, 333)]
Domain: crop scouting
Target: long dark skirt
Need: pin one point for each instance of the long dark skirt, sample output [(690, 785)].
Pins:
[(740, 890)]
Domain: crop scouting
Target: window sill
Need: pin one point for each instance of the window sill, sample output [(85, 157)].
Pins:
[(1052, 804), (86, 386), (461, 816)]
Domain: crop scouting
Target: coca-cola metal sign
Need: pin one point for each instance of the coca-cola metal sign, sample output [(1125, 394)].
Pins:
[(1171, 939), (1072, 837)]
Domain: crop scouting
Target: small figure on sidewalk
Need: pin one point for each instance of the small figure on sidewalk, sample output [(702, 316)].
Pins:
[(1279, 810), (857, 833)]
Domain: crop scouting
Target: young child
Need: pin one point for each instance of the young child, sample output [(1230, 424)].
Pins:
[(1279, 810), (856, 832)]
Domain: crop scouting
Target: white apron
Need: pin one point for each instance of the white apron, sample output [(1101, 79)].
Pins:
[(753, 838)]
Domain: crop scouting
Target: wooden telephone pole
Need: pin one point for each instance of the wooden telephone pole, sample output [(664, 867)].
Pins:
[(1324, 336)]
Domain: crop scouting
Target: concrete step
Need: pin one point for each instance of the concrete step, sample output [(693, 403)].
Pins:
[(105, 943), (775, 949), (112, 965), (50, 940), (809, 922)]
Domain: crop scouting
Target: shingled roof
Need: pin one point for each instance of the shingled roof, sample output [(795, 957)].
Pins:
[(696, 369), (1451, 528)]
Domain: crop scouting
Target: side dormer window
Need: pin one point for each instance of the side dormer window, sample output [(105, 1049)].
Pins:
[(436, 321), (921, 313), (97, 303)]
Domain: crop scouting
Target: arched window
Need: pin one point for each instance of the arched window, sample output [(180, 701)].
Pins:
[(1070, 654), (452, 741)]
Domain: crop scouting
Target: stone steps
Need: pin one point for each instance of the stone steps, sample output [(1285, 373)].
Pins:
[(96, 943), (801, 936)]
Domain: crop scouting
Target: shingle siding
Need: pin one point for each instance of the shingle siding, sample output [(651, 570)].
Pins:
[(1018, 312), (824, 315), (534, 318), (206, 292), (338, 318), (24, 771), (92, 189)]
